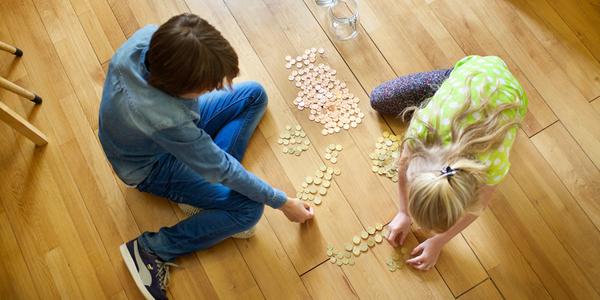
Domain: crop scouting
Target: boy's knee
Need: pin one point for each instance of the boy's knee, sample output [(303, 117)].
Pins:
[(250, 214), (257, 92)]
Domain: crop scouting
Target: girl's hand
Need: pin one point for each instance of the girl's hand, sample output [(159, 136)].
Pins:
[(399, 229), (296, 210), (428, 253)]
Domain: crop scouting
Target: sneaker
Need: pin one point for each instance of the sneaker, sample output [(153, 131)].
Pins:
[(150, 274), (192, 210)]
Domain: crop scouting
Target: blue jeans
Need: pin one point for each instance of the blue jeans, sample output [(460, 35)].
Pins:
[(230, 118)]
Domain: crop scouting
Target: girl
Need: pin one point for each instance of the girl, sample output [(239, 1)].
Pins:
[(455, 149)]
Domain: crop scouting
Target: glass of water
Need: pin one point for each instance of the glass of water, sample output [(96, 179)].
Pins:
[(343, 15)]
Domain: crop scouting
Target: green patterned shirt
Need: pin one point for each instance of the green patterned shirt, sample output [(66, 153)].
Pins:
[(490, 77)]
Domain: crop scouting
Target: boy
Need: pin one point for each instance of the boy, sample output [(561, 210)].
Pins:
[(164, 133)]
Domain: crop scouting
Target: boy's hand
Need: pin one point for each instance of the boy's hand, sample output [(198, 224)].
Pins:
[(428, 253), (297, 211), (399, 229)]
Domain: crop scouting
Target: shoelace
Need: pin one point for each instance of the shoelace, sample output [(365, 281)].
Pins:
[(163, 273)]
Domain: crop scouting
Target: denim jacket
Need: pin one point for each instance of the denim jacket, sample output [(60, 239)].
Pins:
[(139, 123)]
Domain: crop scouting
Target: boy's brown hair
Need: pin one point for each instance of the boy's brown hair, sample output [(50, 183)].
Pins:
[(188, 55)]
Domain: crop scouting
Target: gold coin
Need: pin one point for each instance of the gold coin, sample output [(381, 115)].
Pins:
[(364, 234), (329, 252), (323, 191), (371, 242), (364, 247), (356, 240), (348, 247), (378, 238), (317, 200), (392, 269), (332, 260), (328, 156), (375, 169), (308, 179), (339, 147), (285, 150), (379, 226), (351, 262), (356, 251), (331, 147), (403, 250), (317, 181), (333, 160), (337, 172), (313, 189), (319, 174), (326, 183), (339, 262), (371, 230), (322, 168), (345, 261), (327, 176)]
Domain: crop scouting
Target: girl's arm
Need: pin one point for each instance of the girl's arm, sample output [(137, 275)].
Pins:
[(400, 226)]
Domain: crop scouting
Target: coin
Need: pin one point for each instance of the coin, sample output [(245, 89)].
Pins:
[(356, 240)]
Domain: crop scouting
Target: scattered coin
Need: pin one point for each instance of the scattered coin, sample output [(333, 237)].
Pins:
[(384, 157)]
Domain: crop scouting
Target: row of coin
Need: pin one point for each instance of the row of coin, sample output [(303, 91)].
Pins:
[(384, 158), (396, 260), (361, 243), (328, 99), (314, 188), (293, 140)]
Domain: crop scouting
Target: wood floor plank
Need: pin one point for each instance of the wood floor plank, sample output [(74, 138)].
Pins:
[(583, 18), (548, 78), (574, 168), (458, 265), (561, 42), (337, 287), (485, 290), (502, 259), (540, 246), (552, 199), (124, 16), (75, 53), (62, 275), (474, 38), (100, 25), (16, 280)]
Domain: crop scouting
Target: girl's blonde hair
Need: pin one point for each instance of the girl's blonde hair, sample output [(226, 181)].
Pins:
[(438, 198)]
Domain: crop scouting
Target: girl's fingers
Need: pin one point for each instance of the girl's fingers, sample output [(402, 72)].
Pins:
[(414, 261), (417, 249), (403, 237), (392, 238)]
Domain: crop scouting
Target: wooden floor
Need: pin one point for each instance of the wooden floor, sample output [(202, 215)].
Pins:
[(63, 213)]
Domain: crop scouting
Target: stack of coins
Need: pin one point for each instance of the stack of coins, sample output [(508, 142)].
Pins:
[(396, 261), (332, 151), (315, 188), (385, 157), (328, 99), (293, 140)]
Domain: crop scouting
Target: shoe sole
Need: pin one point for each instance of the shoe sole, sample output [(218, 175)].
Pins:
[(134, 272)]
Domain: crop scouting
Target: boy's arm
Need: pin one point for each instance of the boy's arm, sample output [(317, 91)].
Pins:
[(196, 149)]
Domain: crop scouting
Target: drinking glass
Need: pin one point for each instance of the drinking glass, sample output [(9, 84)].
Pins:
[(343, 15)]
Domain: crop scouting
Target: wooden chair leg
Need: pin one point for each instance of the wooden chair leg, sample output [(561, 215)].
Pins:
[(21, 125), (11, 49), (19, 91)]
